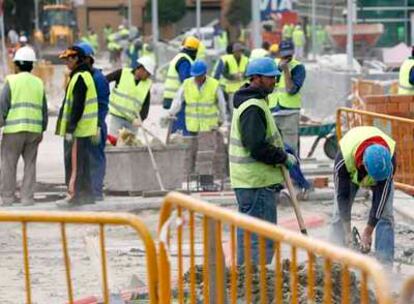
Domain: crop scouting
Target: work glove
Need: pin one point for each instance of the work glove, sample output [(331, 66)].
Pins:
[(96, 140), (366, 239), (290, 161), (69, 137), (137, 123), (347, 233)]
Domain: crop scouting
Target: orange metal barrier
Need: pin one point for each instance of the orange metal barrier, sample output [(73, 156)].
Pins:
[(90, 218), (407, 293), (187, 223), (400, 129)]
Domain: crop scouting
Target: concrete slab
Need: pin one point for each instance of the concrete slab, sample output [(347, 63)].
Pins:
[(404, 205)]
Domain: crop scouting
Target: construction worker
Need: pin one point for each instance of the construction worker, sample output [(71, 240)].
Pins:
[(23, 116), (320, 39), (78, 125), (298, 38), (97, 148), (178, 71), (274, 51), (256, 152), (406, 76), (232, 71), (148, 50), (366, 158), (93, 40), (201, 51), (286, 101), (107, 31), (205, 106), (260, 52), (129, 101), (287, 31), (114, 49)]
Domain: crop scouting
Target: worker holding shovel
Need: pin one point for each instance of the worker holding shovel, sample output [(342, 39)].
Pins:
[(366, 159), (256, 152)]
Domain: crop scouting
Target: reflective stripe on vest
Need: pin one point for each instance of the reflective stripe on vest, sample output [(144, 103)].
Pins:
[(127, 99), (201, 111), (405, 87), (349, 145), (172, 82), (245, 171), (26, 109), (88, 124), (284, 99), (231, 86)]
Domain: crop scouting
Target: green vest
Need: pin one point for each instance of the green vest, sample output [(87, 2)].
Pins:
[(146, 52), (283, 98), (94, 41), (245, 171), (25, 114), (287, 31), (88, 124), (298, 37), (349, 145), (201, 111), (273, 98), (107, 31), (201, 51), (231, 86), (405, 87), (126, 100), (172, 84)]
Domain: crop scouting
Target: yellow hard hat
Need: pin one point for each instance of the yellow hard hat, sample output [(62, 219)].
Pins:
[(191, 42), (274, 48)]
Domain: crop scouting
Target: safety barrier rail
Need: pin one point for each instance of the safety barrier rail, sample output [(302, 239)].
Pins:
[(407, 293), (197, 233), (91, 218), (400, 129)]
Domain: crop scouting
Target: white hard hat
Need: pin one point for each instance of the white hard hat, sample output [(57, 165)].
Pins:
[(25, 54), (148, 63), (23, 39)]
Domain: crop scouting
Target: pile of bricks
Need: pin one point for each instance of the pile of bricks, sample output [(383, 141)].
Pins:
[(396, 105)]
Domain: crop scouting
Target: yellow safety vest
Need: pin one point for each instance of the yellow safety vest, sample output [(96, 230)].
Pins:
[(88, 124), (405, 87), (285, 99), (172, 83), (298, 38), (349, 145), (25, 114), (245, 171), (126, 100), (201, 111), (231, 86)]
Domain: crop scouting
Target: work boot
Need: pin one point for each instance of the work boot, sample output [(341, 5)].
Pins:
[(8, 201)]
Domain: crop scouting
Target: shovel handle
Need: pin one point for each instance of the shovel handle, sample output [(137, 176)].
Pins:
[(294, 201)]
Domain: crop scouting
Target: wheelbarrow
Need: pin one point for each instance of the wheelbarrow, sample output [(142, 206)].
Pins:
[(324, 131)]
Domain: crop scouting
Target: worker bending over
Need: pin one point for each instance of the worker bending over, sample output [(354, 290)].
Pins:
[(129, 101), (23, 116), (406, 76), (257, 152), (366, 159), (205, 106)]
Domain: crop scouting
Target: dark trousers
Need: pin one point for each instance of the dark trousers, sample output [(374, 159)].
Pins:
[(98, 164), (77, 170)]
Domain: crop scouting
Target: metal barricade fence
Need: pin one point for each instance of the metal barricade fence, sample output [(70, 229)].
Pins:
[(193, 236), (400, 129), (100, 219), (407, 293)]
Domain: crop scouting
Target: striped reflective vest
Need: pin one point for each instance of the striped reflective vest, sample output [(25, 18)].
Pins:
[(127, 99), (285, 99), (405, 87), (201, 111), (273, 98), (231, 86), (172, 83), (88, 124), (245, 171), (349, 145), (298, 37), (25, 114)]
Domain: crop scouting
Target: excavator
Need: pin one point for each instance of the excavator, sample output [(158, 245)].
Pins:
[(57, 30)]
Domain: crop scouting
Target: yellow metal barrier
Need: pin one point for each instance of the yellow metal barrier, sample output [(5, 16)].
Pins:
[(407, 294), (220, 224), (400, 129), (91, 218)]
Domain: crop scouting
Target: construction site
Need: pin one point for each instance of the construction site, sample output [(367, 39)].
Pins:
[(207, 151)]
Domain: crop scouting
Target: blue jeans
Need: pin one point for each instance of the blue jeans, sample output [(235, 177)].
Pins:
[(260, 203), (98, 164)]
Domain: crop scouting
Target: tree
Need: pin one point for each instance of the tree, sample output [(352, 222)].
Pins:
[(169, 11), (239, 12)]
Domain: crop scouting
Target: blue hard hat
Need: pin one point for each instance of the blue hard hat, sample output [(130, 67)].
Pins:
[(262, 66), (86, 48), (286, 48), (198, 68), (377, 161)]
